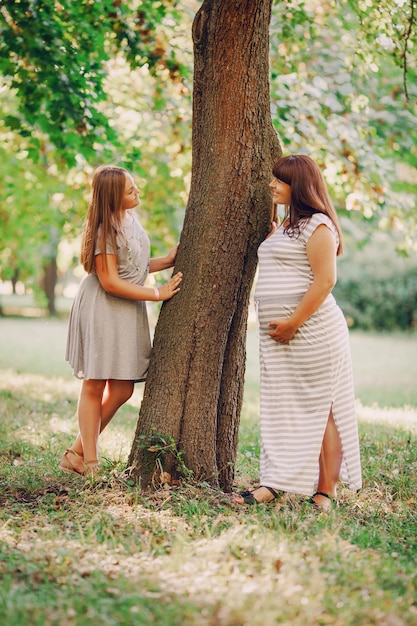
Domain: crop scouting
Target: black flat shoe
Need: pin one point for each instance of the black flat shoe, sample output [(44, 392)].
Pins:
[(333, 501), (249, 498)]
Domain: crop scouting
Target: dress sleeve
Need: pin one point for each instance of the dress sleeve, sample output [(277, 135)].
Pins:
[(109, 247), (316, 220)]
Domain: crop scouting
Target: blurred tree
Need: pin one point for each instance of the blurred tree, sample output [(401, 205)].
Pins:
[(390, 25), (34, 213), (377, 287)]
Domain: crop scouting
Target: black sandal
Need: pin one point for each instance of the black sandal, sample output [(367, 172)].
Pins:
[(311, 500), (249, 498)]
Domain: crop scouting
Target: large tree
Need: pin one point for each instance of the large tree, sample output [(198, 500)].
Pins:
[(194, 389)]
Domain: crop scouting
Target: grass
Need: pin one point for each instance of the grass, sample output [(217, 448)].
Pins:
[(77, 552)]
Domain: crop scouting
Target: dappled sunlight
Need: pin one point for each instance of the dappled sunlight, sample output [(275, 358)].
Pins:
[(56, 400), (226, 566), (255, 569), (405, 417), (193, 544), (41, 387)]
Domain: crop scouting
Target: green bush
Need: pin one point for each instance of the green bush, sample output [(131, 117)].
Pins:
[(377, 287)]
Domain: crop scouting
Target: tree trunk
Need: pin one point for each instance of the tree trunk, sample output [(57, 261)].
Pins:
[(49, 280), (14, 280), (194, 389)]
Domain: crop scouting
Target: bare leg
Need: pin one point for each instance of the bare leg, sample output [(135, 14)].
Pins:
[(330, 462), (114, 395), (89, 416)]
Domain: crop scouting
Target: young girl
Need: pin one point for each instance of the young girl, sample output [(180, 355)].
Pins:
[(108, 343)]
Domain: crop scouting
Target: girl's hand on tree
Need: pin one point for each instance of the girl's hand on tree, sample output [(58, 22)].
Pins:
[(171, 256), (171, 287), (283, 330)]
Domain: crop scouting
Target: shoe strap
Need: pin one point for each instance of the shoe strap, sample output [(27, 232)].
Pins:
[(321, 493), (272, 491), (74, 452)]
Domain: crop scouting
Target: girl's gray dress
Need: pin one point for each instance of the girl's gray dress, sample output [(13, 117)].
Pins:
[(108, 336)]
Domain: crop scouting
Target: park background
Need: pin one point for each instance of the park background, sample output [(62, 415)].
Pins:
[(74, 552)]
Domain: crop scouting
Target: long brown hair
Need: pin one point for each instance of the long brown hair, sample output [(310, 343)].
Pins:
[(309, 193), (105, 210)]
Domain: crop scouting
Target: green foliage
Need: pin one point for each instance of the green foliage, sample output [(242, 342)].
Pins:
[(152, 117), (392, 26), (33, 214), (389, 304), (149, 115), (89, 82), (377, 288), (54, 56), (36, 210), (340, 98)]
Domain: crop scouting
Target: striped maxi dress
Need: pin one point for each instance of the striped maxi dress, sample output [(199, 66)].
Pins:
[(303, 380)]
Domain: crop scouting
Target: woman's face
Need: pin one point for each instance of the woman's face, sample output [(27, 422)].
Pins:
[(131, 194), (281, 192)]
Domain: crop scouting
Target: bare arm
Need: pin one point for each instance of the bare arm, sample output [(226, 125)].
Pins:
[(115, 286), (165, 262), (321, 253)]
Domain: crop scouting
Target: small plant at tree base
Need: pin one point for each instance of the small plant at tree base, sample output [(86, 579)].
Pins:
[(161, 454)]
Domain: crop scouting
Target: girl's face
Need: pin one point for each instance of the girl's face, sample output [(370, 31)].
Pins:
[(131, 194), (281, 192)]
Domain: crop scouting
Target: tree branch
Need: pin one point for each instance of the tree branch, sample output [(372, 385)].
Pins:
[(407, 37)]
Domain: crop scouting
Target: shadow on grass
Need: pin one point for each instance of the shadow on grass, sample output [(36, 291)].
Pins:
[(74, 552)]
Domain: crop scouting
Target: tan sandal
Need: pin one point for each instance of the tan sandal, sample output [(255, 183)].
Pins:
[(91, 468), (67, 466)]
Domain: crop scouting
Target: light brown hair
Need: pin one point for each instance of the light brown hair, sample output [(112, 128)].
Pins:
[(309, 193), (105, 211)]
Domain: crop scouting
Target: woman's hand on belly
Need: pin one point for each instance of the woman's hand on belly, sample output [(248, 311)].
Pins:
[(283, 330)]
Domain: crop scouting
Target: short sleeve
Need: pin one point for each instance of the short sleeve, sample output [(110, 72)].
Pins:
[(317, 219), (109, 247)]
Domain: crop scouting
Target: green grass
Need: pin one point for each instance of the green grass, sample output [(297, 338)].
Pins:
[(385, 366), (75, 552)]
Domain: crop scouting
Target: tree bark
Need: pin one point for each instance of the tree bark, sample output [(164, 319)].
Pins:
[(50, 277), (194, 387)]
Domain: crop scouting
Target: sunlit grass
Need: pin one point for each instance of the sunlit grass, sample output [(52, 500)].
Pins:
[(34, 345), (385, 368), (76, 552)]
